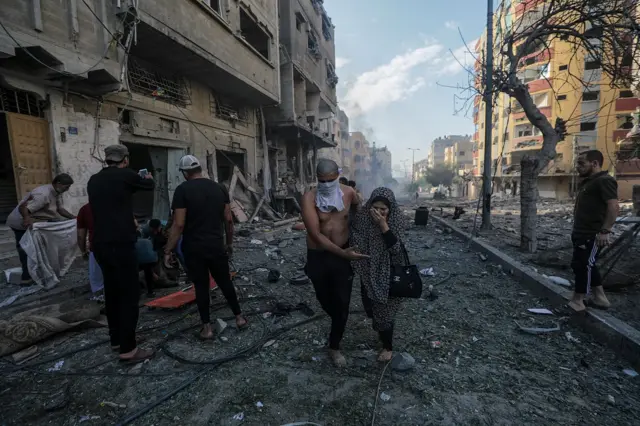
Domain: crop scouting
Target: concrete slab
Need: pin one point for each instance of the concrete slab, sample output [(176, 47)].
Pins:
[(611, 331)]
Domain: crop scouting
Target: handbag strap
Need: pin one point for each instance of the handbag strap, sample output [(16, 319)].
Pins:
[(405, 255)]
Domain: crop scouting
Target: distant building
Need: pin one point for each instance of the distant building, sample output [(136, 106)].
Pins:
[(439, 146)]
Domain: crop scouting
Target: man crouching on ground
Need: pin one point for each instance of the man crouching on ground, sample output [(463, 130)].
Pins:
[(325, 212)]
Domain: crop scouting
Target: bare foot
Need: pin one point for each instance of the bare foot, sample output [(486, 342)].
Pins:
[(385, 356), (206, 333), (241, 322), (137, 355), (599, 298), (577, 306), (337, 358)]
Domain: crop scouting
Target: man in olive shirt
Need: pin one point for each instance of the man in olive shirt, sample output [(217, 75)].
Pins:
[(595, 213)]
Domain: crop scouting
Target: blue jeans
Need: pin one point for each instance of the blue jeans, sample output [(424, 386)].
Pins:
[(22, 254)]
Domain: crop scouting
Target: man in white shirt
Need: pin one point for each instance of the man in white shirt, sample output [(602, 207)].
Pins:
[(42, 204)]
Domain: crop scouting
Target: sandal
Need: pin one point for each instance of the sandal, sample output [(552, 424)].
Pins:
[(141, 355)]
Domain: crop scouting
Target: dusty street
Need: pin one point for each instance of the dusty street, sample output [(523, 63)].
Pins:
[(555, 221), (473, 364)]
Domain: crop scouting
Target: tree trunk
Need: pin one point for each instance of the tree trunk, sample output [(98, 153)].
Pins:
[(528, 204)]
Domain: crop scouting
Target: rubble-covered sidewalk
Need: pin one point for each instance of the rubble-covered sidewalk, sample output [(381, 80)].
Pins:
[(473, 365), (553, 258)]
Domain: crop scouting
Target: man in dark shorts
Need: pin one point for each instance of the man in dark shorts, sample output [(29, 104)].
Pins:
[(114, 246), (201, 208), (595, 213), (325, 212)]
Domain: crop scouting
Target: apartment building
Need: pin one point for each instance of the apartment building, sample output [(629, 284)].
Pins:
[(163, 77), (420, 168), (361, 156), (341, 153), (598, 115), (303, 122), (437, 150), (383, 161), (459, 155)]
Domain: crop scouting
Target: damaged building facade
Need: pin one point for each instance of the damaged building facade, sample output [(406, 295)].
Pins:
[(303, 123), (162, 77)]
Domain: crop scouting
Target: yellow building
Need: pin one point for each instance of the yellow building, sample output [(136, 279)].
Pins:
[(597, 115)]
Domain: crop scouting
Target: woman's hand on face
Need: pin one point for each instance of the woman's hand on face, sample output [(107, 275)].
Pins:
[(379, 220)]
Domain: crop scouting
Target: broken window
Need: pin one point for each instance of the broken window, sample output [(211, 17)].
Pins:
[(300, 21), (625, 122), (313, 46), (146, 80), (626, 94), (214, 4), (326, 26), (254, 35), (332, 77), (169, 126), (228, 110), (20, 102), (587, 127)]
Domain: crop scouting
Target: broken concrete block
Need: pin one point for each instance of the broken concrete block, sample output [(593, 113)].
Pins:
[(402, 362), (221, 325)]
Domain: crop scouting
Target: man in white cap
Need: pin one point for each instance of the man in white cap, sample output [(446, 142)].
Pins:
[(114, 237), (201, 208)]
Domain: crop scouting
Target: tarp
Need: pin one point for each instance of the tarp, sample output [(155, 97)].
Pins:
[(51, 248)]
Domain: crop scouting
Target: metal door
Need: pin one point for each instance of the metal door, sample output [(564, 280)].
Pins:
[(30, 151)]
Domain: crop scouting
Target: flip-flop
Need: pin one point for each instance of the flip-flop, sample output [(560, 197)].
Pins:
[(138, 358), (591, 304)]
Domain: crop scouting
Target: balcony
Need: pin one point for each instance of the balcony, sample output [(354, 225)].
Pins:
[(234, 55), (539, 85), (627, 104), (526, 143)]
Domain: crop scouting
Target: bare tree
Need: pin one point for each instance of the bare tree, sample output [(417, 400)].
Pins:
[(603, 31)]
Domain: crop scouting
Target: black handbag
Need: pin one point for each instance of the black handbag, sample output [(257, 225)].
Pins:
[(405, 279)]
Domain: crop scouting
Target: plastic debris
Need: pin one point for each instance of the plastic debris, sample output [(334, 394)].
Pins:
[(630, 372), (559, 281), (256, 242), (538, 330), (385, 397), (57, 366), (259, 404), (112, 404), (239, 417), (571, 338), (540, 311), (428, 272)]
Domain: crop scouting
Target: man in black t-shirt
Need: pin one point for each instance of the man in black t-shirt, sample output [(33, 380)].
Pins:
[(200, 211), (114, 238), (595, 213)]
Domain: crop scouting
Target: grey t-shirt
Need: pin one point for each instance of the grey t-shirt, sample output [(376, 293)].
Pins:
[(43, 207)]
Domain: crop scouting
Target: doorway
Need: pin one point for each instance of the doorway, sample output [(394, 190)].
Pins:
[(8, 194), (140, 158)]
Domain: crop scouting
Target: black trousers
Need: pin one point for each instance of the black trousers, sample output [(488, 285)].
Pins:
[(119, 265), (583, 263), (386, 336), (21, 253), (147, 268), (199, 266), (332, 279)]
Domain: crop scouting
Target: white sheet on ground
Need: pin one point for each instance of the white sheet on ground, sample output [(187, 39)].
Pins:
[(51, 248)]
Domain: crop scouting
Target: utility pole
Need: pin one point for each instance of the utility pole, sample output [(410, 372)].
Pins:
[(574, 147), (488, 122), (413, 163)]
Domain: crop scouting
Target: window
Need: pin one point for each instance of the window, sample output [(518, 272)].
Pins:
[(228, 110), (300, 21), (254, 35), (169, 126), (461, 153), (312, 45), (563, 67), (590, 96), (587, 127), (562, 97), (625, 122), (149, 81), (20, 102), (626, 94), (592, 65), (213, 4)]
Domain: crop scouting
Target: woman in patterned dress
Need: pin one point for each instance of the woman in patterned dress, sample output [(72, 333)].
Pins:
[(377, 231)]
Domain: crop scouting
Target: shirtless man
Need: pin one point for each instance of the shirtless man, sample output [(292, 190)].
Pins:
[(325, 212)]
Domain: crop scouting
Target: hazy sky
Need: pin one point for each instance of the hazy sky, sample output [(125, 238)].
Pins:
[(391, 56)]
